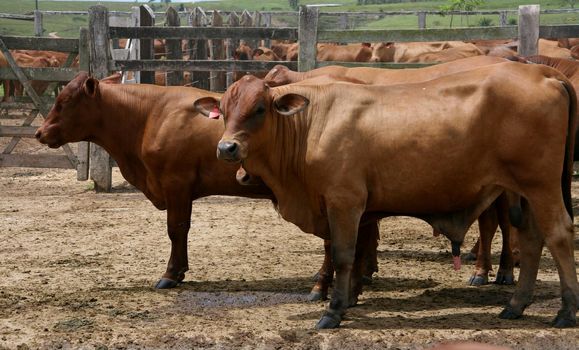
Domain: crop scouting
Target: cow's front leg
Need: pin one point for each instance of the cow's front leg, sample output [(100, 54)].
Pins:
[(324, 277), (178, 223), (344, 231), (488, 224)]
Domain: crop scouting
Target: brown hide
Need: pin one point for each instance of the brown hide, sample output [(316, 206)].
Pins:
[(281, 75), (448, 55), (441, 150), (344, 53), (409, 52), (551, 48)]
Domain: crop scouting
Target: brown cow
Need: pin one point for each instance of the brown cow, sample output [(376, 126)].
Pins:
[(491, 218), (344, 53), (163, 147), (411, 52), (441, 150), (244, 52)]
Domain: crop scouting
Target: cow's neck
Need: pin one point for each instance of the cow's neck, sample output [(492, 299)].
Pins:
[(123, 113), (284, 170)]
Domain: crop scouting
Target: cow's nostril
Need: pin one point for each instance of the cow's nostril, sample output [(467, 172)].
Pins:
[(227, 150)]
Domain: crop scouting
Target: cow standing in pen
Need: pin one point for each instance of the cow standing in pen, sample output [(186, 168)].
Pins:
[(166, 149), (441, 151)]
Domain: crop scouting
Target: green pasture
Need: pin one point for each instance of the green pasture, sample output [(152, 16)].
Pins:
[(68, 26)]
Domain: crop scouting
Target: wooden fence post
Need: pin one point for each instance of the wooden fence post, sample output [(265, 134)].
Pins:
[(173, 48), (343, 21), (308, 38), (528, 30), (82, 154), (38, 30), (421, 20), (216, 78), (147, 19), (267, 24), (231, 46), (257, 23), (246, 21), (100, 167), (503, 18), (199, 79), (135, 54)]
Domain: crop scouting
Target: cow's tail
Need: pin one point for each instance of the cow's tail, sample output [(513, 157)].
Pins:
[(567, 176)]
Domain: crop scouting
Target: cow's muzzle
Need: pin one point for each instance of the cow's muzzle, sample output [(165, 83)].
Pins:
[(228, 150)]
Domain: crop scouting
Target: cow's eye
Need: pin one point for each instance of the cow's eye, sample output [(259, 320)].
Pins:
[(260, 110)]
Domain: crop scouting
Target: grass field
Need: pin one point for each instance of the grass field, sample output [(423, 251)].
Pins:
[(68, 26)]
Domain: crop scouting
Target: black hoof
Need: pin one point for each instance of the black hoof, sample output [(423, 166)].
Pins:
[(509, 314), (367, 280), (317, 296), (470, 257), (505, 279), (353, 302), (564, 319), (478, 280), (165, 283), (329, 321)]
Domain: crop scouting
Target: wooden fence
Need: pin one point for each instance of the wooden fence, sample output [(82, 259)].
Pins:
[(35, 104), (211, 39), (344, 20)]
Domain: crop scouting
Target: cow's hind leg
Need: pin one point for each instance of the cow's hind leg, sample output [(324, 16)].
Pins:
[(344, 231), (178, 222), (505, 273), (324, 277), (488, 224), (546, 221)]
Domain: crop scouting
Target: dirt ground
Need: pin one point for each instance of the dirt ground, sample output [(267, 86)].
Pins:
[(77, 270)]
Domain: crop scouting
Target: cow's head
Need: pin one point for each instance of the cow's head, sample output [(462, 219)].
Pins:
[(278, 75), (248, 107), (71, 116), (383, 52)]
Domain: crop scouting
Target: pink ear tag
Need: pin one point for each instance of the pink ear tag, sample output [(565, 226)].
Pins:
[(214, 114)]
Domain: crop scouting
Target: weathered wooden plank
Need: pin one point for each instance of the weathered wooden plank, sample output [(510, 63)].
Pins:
[(528, 30), (17, 16), (146, 49), (100, 170), (173, 48), (559, 31), (379, 35), (231, 46), (308, 27), (247, 22), (82, 156), (35, 161), (84, 50), (38, 30), (44, 74), (17, 131), (33, 43), (216, 52), (199, 79), (388, 65), (283, 33), (421, 20), (197, 65)]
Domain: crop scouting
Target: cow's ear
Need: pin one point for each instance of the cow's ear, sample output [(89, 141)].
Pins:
[(90, 87), (257, 52), (208, 106), (290, 104)]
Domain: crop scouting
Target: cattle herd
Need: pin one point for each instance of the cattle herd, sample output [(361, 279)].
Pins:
[(485, 135)]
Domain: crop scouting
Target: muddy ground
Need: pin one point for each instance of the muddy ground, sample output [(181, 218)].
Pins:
[(77, 270)]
